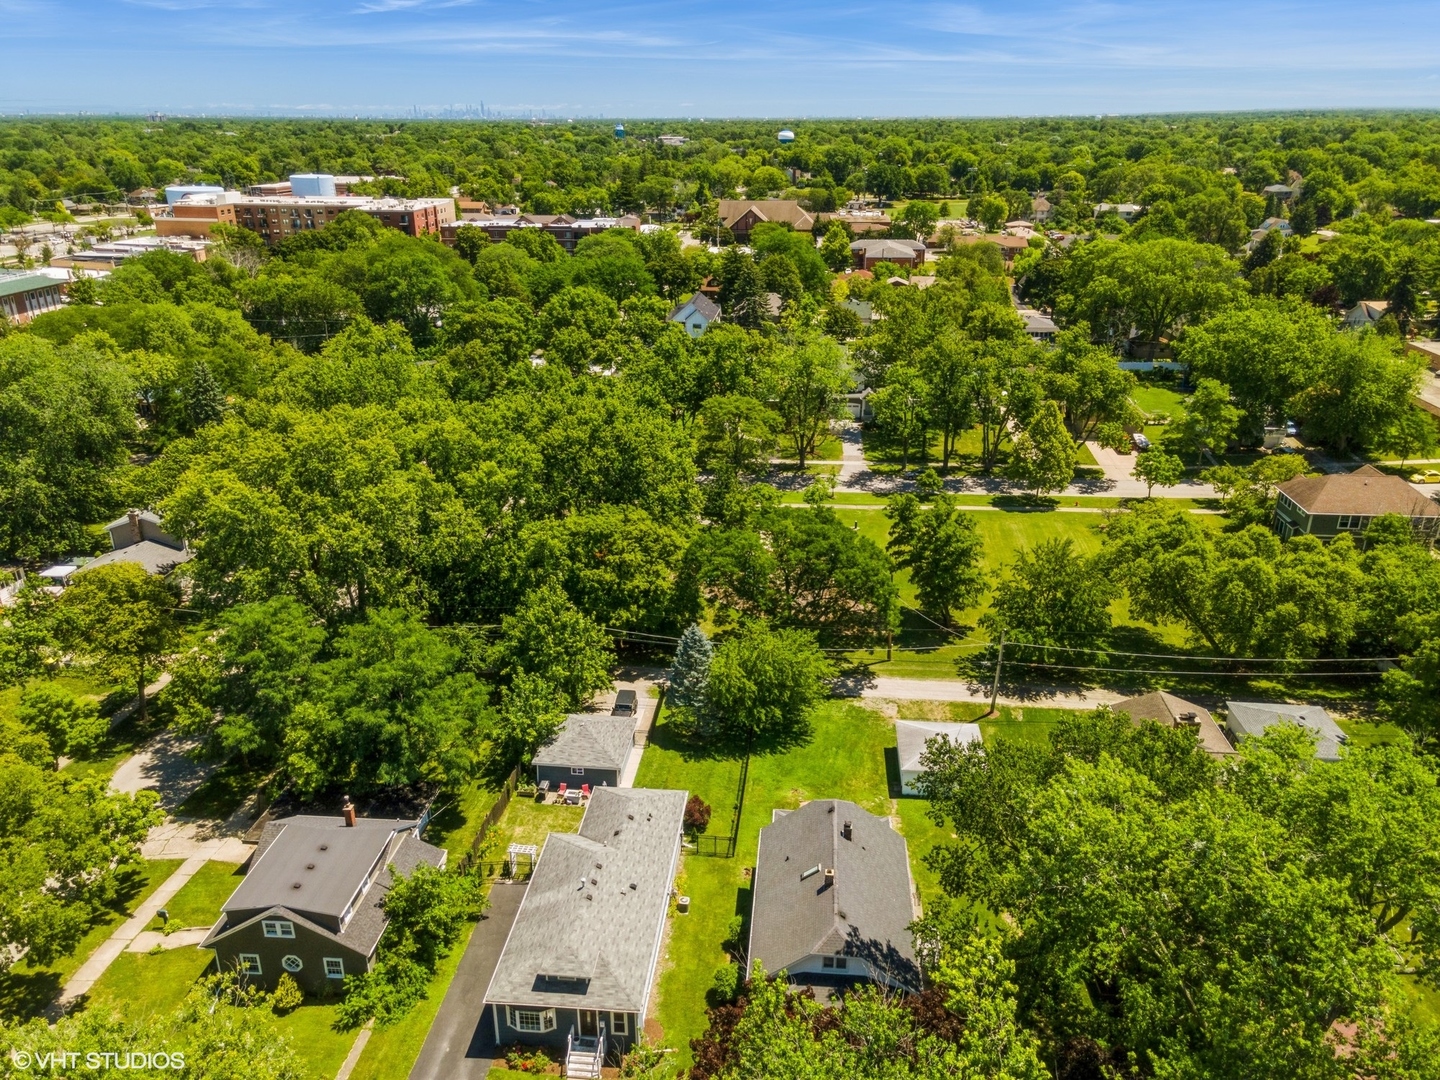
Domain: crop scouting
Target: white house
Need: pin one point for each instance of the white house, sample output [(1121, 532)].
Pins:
[(1366, 313), (911, 737)]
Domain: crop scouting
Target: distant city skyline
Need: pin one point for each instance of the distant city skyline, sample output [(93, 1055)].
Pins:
[(561, 58)]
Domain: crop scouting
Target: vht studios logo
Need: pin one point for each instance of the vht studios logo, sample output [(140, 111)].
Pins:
[(61, 1061)]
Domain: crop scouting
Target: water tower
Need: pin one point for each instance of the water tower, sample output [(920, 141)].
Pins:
[(619, 131), (786, 136)]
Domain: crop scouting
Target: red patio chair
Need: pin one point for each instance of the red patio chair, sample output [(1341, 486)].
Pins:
[(584, 791), (560, 793)]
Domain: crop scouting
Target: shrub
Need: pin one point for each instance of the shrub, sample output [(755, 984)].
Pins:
[(528, 1059), (733, 943), (697, 814), (725, 985), (287, 996)]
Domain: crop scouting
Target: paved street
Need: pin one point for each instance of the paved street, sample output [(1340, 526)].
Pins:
[(964, 690), (461, 1042)]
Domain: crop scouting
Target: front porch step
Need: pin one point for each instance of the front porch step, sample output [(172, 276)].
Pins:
[(580, 1065)]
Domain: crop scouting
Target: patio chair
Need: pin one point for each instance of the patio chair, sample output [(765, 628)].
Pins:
[(560, 793), (584, 791)]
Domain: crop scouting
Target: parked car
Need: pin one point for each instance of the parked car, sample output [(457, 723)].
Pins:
[(1140, 441), (625, 703), (1290, 429)]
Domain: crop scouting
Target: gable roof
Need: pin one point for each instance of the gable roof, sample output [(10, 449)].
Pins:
[(1166, 709), (864, 911), (590, 741), (782, 211), (701, 304), (912, 735), (1366, 492), (888, 248), (1367, 311), (588, 931), (327, 859), (1253, 717), (287, 849)]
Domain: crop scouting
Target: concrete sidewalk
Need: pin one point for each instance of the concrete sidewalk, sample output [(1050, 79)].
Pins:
[(88, 973), (461, 1041)]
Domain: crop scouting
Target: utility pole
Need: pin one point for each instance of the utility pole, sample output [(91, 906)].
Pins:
[(995, 687)]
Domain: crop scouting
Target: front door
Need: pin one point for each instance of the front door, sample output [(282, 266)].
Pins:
[(589, 1023)]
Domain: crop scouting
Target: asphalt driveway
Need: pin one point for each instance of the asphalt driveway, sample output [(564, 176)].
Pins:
[(461, 1042)]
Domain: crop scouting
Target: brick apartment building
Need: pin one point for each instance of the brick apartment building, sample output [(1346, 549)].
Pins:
[(274, 217)]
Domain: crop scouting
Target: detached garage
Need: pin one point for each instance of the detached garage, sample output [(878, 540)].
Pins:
[(590, 749), (911, 737)]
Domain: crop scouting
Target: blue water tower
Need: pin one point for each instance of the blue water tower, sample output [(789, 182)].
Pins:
[(786, 136), (619, 131)]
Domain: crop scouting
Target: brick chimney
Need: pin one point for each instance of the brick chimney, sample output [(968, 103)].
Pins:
[(349, 812)]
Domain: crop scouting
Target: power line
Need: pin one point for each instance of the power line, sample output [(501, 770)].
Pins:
[(1231, 659), (1202, 674)]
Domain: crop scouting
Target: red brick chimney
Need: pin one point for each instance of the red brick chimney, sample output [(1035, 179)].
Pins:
[(349, 812)]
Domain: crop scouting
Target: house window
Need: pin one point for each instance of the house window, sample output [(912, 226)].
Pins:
[(1353, 521), (334, 967), (538, 1020), (839, 963), (577, 772), (620, 1023), (278, 928), (292, 963), (249, 963)]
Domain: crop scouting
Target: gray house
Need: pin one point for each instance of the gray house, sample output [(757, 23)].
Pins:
[(833, 899), (1326, 506), (1246, 718), (590, 749), (577, 968), (310, 905), (138, 538)]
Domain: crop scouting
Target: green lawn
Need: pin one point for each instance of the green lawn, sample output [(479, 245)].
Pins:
[(456, 823), (119, 745), (25, 990), (845, 757), (223, 792), (829, 449), (199, 899), (1370, 733)]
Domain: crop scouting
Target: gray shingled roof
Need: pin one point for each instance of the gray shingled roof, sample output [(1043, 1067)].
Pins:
[(1166, 709), (590, 741), (912, 735), (588, 931), (402, 850), (327, 859), (155, 558), (865, 913), (703, 305), (1248, 718)]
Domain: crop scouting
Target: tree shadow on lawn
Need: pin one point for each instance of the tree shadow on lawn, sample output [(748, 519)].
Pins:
[(25, 991), (679, 734)]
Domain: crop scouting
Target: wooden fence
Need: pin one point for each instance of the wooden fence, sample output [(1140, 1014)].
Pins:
[(507, 791)]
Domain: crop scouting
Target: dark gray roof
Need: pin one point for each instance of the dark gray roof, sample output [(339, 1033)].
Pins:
[(362, 931), (590, 741), (703, 305), (912, 735), (588, 931), (865, 912), (1247, 718), (328, 860), (155, 558)]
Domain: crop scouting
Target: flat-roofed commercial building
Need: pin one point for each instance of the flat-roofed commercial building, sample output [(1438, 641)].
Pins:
[(274, 217)]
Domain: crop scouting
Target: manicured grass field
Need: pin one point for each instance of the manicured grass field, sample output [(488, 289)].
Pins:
[(199, 899), (455, 825), (845, 757), (25, 990)]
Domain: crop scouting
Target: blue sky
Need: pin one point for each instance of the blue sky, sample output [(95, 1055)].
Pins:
[(745, 58)]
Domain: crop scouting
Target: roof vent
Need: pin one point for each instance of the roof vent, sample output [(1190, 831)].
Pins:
[(846, 831), (633, 886), (309, 866), (296, 885), (1189, 718), (324, 847), (630, 817)]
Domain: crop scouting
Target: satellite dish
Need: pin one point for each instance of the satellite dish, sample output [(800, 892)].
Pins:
[(786, 136)]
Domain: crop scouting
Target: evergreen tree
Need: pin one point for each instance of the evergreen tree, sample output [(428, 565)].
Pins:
[(204, 400), (691, 671), (742, 293)]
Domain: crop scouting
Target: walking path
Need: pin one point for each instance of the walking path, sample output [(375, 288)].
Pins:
[(88, 973), (356, 1049), (461, 1041)]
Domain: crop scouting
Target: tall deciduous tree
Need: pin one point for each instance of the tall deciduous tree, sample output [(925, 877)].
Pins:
[(1210, 421), (943, 551), (1156, 466), (808, 380), (550, 638), (763, 686), (901, 409), (1044, 454), (1052, 595)]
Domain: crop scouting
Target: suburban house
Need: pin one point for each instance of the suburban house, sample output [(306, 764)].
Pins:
[(860, 222), (1039, 327), (1326, 506), (1125, 211), (1041, 209), (310, 905), (579, 963), (1169, 711), (1366, 313), (833, 899), (857, 404), (1283, 192), (867, 253), (27, 294), (911, 738), (135, 538), (1247, 718), (568, 231), (591, 748), (741, 216), (695, 314)]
